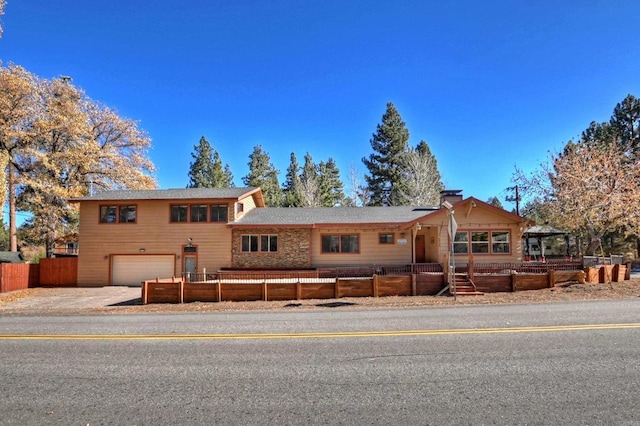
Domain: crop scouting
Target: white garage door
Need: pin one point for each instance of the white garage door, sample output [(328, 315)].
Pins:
[(132, 270)]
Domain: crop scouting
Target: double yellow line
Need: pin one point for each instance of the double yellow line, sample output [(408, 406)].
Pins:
[(318, 335)]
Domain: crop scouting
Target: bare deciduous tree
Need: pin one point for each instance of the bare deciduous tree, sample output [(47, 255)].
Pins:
[(589, 190)]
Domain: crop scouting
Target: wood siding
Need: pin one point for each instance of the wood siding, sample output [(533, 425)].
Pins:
[(371, 251), (471, 219), (152, 233)]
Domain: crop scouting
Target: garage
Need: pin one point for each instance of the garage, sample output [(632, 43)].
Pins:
[(131, 270)]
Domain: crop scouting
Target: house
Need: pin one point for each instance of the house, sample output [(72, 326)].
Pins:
[(129, 236)]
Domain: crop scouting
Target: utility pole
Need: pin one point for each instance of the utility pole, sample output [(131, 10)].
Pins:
[(516, 198)]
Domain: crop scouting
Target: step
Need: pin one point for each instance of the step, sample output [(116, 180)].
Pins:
[(469, 293)]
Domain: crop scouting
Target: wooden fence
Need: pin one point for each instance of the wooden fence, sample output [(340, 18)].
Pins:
[(18, 276), (59, 272), (56, 272), (177, 290)]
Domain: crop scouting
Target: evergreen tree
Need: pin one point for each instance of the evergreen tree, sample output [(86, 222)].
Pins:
[(206, 170), (625, 122), (422, 183), (330, 187), (495, 201), (263, 174), (228, 176), (309, 182), (389, 143), (292, 187)]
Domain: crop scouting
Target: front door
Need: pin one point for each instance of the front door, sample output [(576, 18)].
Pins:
[(421, 255), (189, 266)]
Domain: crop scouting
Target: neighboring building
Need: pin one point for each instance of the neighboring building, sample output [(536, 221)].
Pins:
[(11, 257), (66, 246), (126, 237)]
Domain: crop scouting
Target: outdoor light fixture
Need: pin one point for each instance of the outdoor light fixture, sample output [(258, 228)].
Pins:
[(189, 241), (142, 250)]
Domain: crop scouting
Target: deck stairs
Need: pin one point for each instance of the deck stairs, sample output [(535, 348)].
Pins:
[(465, 286)]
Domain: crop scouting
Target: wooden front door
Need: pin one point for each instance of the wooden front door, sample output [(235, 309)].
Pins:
[(421, 256)]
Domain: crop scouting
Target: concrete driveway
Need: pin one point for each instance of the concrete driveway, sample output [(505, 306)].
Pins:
[(73, 299)]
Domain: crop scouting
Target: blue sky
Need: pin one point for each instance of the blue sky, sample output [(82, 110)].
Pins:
[(488, 85)]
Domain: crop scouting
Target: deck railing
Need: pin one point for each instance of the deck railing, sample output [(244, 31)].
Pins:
[(365, 271)]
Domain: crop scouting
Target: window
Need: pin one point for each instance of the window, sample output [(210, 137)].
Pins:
[(340, 244), (108, 214), (482, 242), (386, 238), (239, 208), (268, 243), (479, 242), (179, 213), (500, 242), (461, 243), (199, 213), (127, 214), (117, 214), (249, 243), (219, 213)]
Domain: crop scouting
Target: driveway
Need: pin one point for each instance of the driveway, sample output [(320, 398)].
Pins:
[(74, 299)]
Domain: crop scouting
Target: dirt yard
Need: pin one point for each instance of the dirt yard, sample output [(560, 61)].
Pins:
[(568, 292)]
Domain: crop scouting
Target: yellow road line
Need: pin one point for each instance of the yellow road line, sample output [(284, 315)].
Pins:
[(317, 335)]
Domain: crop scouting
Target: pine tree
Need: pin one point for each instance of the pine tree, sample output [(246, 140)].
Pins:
[(293, 188), (263, 174), (330, 187), (389, 143), (228, 176), (206, 170), (495, 201)]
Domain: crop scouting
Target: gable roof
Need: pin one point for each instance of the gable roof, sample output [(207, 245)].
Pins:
[(170, 194), (328, 216), (467, 204)]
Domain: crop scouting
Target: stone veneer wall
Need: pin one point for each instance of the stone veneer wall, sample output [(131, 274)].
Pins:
[(293, 250)]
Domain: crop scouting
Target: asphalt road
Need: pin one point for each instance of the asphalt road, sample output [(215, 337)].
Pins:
[(575, 363)]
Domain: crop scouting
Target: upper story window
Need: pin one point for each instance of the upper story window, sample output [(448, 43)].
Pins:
[(197, 213), (179, 213), (341, 243), (219, 213), (127, 214), (118, 214)]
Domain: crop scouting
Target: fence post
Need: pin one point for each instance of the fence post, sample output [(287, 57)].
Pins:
[(552, 278), (375, 285), (414, 284)]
